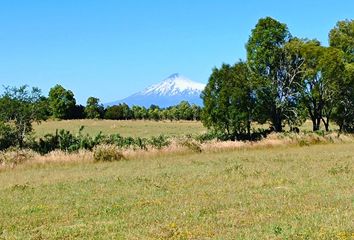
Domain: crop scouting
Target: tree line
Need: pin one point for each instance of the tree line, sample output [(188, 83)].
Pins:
[(20, 107), (284, 81), (62, 105)]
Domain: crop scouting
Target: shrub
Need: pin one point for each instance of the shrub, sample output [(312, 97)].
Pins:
[(159, 141), (107, 153), (66, 141), (141, 143)]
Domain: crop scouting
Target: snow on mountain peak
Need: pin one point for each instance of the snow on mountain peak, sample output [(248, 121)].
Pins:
[(174, 85)]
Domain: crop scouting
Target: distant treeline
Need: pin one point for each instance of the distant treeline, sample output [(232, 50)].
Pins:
[(61, 104)]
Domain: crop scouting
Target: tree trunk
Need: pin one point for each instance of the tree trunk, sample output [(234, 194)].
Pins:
[(249, 129), (316, 124), (326, 124), (277, 124)]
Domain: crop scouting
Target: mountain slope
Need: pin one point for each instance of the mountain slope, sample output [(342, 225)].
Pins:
[(169, 92)]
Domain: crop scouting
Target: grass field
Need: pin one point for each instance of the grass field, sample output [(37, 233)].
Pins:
[(125, 128), (139, 128), (128, 128), (270, 193)]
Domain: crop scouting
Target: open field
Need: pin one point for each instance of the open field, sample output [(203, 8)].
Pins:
[(127, 128), (138, 128), (287, 192)]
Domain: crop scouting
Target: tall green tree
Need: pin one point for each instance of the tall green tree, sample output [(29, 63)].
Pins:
[(322, 73), (118, 112), (276, 67), (19, 108), (229, 101), (342, 38), (344, 111), (185, 110), (62, 102), (196, 111), (93, 108), (114, 112)]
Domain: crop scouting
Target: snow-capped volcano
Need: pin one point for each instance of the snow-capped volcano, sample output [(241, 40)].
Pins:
[(169, 92), (174, 85)]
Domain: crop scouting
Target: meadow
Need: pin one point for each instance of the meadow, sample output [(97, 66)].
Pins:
[(287, 192), (136, 128), (128, 128)]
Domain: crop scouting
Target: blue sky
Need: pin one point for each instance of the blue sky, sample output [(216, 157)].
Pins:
[(113, 48)]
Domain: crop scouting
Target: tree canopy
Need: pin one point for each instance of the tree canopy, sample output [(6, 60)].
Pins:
[(62, 102)]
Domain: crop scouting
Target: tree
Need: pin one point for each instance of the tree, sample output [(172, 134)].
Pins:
[(333, 69), (344, 110), (276, 67), (342, 37), (93, 109), (78, 112), (114, 112), (127, 113), (185, 110), (136, 112), (19, 108), (196, 111), (118, 112), (322, 73), (62, 102), (229, 101)]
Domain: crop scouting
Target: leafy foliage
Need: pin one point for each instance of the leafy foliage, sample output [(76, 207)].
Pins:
[(342, 37), (62, 102), (66, 141), (93, 109), (229, 101), (276, 67), (19, 108)]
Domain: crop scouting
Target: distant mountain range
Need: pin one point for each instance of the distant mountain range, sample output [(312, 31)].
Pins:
[(169, 92)]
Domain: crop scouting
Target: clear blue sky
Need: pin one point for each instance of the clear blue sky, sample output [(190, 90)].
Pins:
[(113, 48)]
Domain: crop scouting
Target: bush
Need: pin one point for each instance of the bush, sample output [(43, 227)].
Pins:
[(66, 141), (159, 142), (141, 143), (107, 153)]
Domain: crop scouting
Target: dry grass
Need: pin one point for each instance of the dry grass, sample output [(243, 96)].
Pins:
[(128, 128), (259, 191), (177, 147), (139, 128)]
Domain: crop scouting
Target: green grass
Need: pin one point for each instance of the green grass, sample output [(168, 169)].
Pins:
[(125, 128), (137, 128), (274, 193)]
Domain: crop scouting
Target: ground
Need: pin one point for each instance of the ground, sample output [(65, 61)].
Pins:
[(266, 193), (137, 128)]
